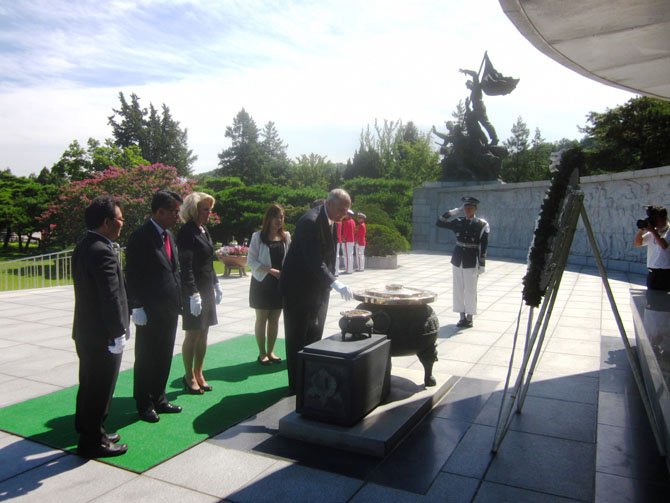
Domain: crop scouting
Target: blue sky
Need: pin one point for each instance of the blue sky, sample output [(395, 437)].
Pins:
[(320, 70)]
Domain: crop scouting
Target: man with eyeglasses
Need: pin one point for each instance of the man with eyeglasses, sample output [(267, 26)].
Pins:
[(100, 326)]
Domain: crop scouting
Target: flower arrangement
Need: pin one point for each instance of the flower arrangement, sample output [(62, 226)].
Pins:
[(232, 249), (539, 270)]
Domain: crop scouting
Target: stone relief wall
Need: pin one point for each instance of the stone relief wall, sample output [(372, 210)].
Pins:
[(613, 203)]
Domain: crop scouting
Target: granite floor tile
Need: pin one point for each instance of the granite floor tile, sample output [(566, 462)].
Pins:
[(630, 452), (545, 464), (148, 490), (616, 489), (220, 471), (491, 492), (336, 461), (545, 416), (575, 388), (25, 455), (472, 456), (68, 479), (297, 484), (465, 400), (415, 463), (622, 409)]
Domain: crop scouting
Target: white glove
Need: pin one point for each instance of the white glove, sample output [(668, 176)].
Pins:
[(343, 290), (218, 293), (451, 213), (196, 304), (139, 316), (117, 347)]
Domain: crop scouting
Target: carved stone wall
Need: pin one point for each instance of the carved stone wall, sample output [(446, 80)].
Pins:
[(613, 203)]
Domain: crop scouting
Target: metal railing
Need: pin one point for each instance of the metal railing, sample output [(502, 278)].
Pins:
[(40, 271)]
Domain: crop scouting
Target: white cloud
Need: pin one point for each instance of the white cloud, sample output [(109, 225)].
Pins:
[(321, 70)]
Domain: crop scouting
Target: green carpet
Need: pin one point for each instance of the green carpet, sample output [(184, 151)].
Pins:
[(242, 388)]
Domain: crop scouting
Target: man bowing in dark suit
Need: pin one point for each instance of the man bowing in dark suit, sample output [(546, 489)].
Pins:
[(308, 274), (100, 327), (154, 292)]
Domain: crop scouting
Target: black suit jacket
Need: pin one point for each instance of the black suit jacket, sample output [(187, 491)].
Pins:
[(196, 252), (308, 270), (101, 311), (153, 281)]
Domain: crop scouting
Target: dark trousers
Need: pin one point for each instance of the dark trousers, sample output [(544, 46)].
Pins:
[(658, 279), (98, 371), (303, 325), (154, 344)]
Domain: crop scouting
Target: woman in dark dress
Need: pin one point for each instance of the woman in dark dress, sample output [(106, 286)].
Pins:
[(265, 257), (200, 287)]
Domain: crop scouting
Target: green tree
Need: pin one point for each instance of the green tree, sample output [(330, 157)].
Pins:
[(78, 164), (22, 201), (158, 135), (515, 167), (275, 152), (73, 164), (246, 158), (366, 163), (312, 170), (631, 136)]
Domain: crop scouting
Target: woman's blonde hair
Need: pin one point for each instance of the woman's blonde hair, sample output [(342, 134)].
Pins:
[(189, 210)]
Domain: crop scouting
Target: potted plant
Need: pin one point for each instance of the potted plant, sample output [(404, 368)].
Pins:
[(383, 245), (233, 256)]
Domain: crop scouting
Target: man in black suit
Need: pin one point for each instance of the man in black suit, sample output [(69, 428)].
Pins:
[(154, 292), (100, 327), (308, 274)]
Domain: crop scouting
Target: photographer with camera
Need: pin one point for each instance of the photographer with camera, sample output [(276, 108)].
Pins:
[(653, 233)]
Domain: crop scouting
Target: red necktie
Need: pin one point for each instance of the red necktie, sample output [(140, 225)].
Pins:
[(168, 246)]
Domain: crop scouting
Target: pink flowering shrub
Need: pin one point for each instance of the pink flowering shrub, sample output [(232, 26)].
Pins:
[(133, 187)]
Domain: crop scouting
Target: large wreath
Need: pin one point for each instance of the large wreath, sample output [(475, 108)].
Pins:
[(539, 271)]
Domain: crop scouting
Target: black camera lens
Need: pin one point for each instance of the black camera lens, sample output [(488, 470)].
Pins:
[(641, 224)]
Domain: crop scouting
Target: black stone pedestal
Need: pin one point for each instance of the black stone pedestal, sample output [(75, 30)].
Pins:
[(340, 380)]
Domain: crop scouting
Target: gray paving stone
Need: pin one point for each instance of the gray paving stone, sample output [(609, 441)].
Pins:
[(295, 483), (616, 489), (546, 416), (148, 490), (212, 470), (495, 493), (25, 455), (68, 478), (544, 464)]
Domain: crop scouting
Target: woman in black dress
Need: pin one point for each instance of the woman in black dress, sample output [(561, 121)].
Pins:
[(267, 250), (200, 287)]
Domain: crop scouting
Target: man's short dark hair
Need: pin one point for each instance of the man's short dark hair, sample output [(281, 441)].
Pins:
[(101, 207), (165, 199)]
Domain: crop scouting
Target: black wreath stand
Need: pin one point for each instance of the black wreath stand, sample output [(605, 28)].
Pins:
[(571, 207)]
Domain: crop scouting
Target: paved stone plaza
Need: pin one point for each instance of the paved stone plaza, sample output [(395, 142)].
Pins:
[(582, 435)]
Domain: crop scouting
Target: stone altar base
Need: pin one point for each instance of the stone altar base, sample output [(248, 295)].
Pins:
[(383, 428)]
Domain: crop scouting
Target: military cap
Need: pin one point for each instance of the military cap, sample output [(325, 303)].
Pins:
[(470, 201)]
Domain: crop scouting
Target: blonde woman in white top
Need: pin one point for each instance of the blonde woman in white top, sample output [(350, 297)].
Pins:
[(265, 257)]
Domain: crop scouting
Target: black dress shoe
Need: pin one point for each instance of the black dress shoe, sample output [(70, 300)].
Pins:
[(189, 390), (112, 438), (149, 415), (102, 451), (168, 408)]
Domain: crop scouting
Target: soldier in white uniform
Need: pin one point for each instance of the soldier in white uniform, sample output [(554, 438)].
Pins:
[(469, 257)]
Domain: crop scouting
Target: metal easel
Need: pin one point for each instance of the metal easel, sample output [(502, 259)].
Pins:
[(573, 209)]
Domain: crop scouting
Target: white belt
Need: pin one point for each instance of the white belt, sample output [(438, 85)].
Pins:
[(467, 245)]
